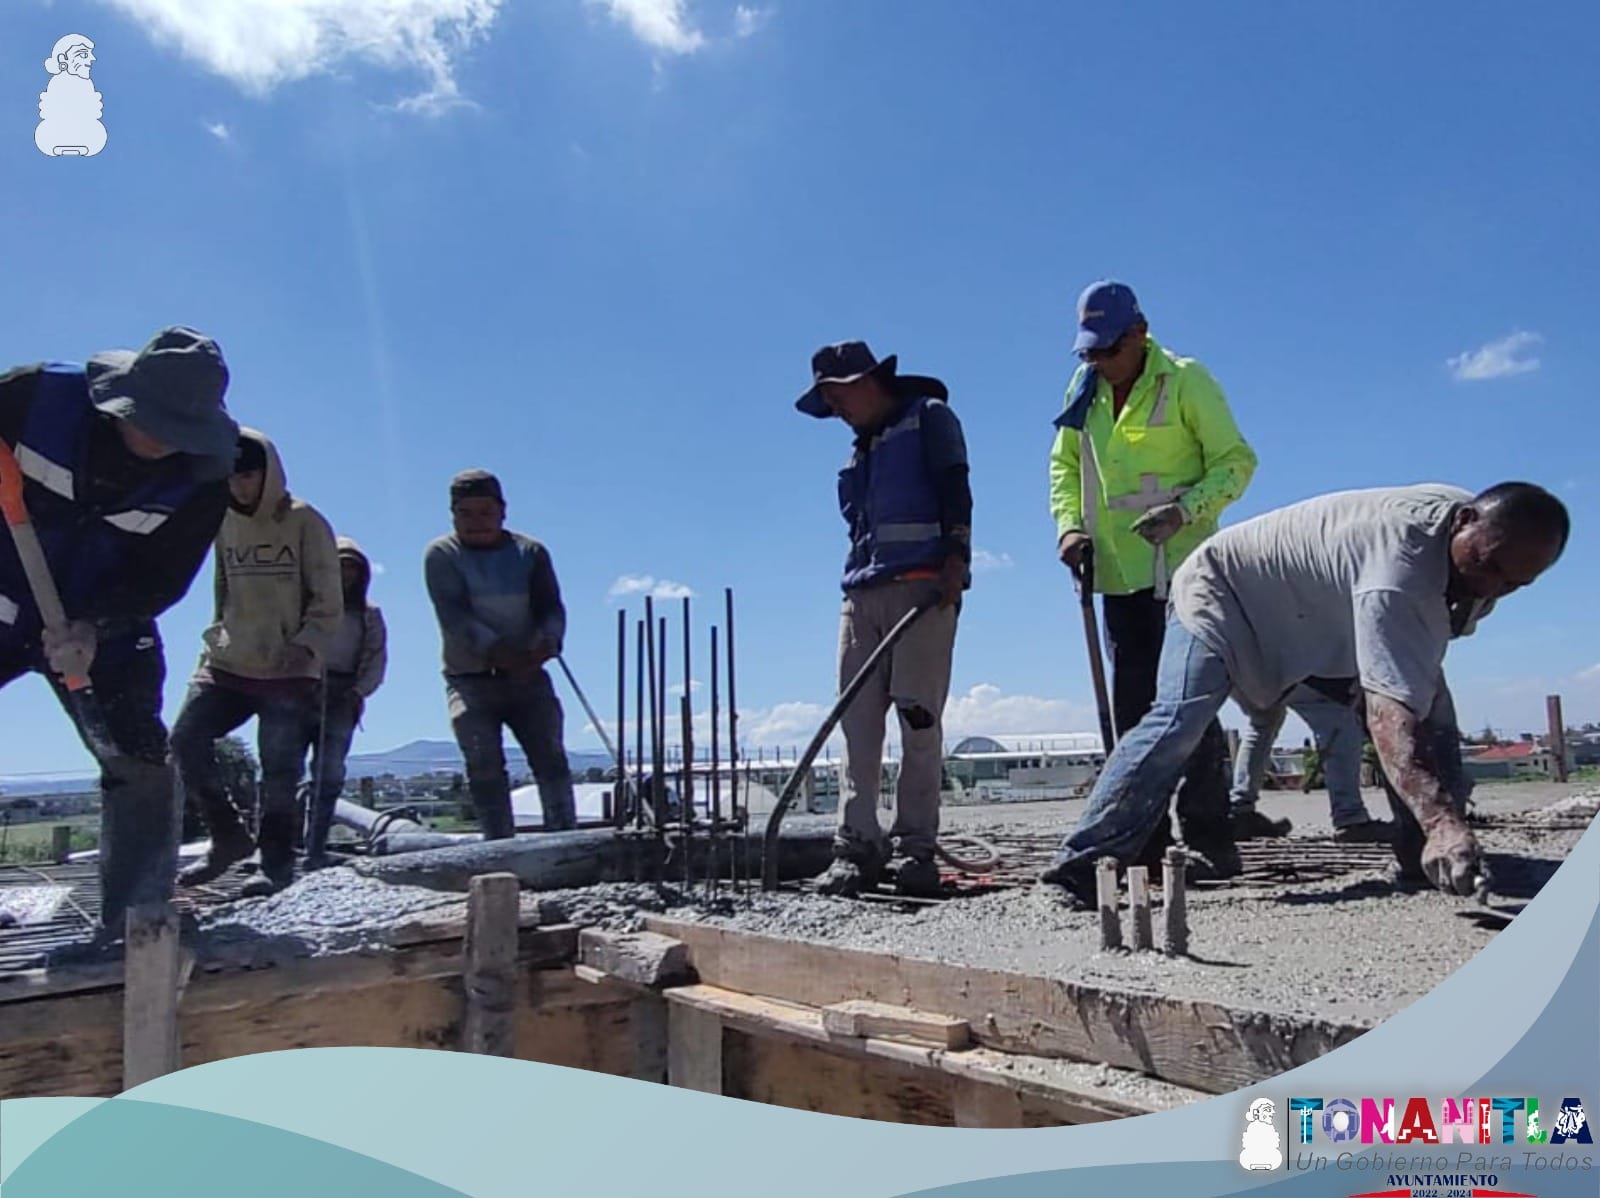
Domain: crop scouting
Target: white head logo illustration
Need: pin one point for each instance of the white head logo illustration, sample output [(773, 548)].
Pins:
[(69, 109), (1262, 1147), (1570, 1120)]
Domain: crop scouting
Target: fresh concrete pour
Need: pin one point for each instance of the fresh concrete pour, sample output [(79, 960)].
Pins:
[(1354, 948)]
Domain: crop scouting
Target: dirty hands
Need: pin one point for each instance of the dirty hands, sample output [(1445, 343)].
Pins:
[(1160, 523), (69, 648)]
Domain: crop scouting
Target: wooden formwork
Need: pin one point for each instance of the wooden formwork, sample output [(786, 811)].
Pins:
[(778, 1021)]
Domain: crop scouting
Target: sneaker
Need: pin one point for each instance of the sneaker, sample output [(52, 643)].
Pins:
[(1213, 863), (265, 884), (918, 877), (227, 849), (1368, 831), (846, 878), (1250, 824)]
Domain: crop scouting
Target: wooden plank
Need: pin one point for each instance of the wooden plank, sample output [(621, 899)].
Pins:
[(73, 1045), (978, 1104), (1196, 1043), (491, 964), (1043, 1086), (642, 958), (150, 999), (862, 1017), (694, 1049), (808, 1077)]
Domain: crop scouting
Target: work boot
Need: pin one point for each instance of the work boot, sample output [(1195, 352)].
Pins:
[(847, 878), (560, 807), (1213, 862), (1072, 888), (1368, 831), (918, 877), (229, 846), (1250, 824)]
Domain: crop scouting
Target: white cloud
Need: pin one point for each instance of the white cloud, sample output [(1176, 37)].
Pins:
[(660, 24), (1592, 674), (379, 569), (219, 131), (647, 584), (1497, 359), (259, 44), (747, 21), (983, 560)]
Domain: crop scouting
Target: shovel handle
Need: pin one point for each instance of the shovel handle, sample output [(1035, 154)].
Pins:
[(31, 553)]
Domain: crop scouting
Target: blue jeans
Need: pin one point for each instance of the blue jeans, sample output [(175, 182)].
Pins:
[(1337, 729), (1130, 798)]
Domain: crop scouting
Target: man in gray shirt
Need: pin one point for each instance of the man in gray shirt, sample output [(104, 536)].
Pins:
[(501, 618), (1370, 585)]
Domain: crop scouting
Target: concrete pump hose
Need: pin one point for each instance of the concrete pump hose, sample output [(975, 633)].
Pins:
[(968, 865)]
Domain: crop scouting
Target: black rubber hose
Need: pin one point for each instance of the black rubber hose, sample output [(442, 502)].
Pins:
[(791, 788)]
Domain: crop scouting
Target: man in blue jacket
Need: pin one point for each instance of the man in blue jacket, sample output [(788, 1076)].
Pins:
[(905, 496), (125, 462)]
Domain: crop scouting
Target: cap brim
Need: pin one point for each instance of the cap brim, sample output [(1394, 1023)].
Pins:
[(812, 404), (1089, 339)]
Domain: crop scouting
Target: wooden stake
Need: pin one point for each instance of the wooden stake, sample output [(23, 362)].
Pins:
[(1558, 737), (1139, 902), (490, 972), (60, 843), (1174, 905), (1105, 883), (694, 1049), (150, 994)]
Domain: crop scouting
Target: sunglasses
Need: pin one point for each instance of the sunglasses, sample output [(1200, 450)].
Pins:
[(1106, 351)]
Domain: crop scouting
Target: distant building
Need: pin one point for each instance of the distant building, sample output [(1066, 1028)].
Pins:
[(1521, 759)]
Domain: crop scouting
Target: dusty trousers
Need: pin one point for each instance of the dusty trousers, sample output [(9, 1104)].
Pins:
[(915, 681)]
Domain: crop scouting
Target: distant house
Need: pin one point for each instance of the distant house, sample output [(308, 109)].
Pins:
[(1524, 759)]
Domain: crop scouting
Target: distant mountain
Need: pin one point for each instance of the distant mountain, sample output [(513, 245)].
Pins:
[(442, 756), (418, 757)]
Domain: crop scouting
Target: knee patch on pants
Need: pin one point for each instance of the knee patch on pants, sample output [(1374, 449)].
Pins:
[(916, 716)]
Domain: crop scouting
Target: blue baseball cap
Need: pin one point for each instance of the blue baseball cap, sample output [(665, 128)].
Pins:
[(1106, 310)]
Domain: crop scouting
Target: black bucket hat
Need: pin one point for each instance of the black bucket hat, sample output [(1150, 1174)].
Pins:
[(172, 389), (848, 361)]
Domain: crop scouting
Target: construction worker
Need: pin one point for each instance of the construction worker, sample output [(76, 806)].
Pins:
[(278, 608), (500, 619), (1369, 585), (905, 497), (357, 657), (1145, 460), (1324, 706), (124, 462)]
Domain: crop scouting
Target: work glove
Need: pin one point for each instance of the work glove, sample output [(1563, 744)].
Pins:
[(1071, 546), (1451, 858), (1160, 523), (70, 649)]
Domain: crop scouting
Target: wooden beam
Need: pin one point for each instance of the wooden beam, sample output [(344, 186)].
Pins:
[(861, 1017), (978, 1104), (150, 996), (1045, 1085), (491, 964), (694, 1049), (1195, 1043), (643, 958)]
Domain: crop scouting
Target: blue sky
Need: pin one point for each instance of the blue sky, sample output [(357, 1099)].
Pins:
[(591, 244)]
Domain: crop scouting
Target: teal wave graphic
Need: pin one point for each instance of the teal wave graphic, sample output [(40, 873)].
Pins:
[(130, 1149)]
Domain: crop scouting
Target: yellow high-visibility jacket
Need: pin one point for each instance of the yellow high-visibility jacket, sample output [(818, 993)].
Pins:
[(1174, 441)]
